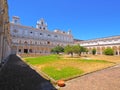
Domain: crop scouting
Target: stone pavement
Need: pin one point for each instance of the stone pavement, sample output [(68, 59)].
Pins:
[(16, 75), (107, 79)]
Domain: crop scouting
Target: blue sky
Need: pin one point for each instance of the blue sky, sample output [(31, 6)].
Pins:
[(88, 19)]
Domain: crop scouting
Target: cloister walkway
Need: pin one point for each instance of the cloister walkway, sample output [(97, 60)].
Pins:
[(16, 75), (107, 79)]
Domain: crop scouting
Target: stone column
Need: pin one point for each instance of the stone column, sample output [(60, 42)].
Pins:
[(118, 51), (17, 49), (101, 51), (5, 52), (1, 46), (28, 49)]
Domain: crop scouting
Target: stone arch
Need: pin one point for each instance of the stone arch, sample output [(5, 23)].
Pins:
[(20, 49), (90, 50), (118, 50), (115, 50), (14, 49), (25, 42), (98, 50)]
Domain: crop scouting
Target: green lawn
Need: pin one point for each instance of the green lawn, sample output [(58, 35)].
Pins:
[(63, 73), (42, 59), (58, 67)]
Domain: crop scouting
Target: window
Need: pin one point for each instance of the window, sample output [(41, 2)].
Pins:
[(48, 42), (55, 35), (35, 42), (63, 32), (49, 35), (42, 22), (40, 33), (19, 50), (25, 42), (44, 28), (15, 31), (30, 50)]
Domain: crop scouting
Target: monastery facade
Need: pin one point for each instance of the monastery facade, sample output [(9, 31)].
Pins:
[(101, 44), (39, 40)]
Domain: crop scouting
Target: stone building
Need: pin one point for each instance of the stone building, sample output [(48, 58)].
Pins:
[(39, 40), (5, 39), (102, 43)]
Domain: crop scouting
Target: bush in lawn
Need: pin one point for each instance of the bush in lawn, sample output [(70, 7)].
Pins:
[(93, 51), (108, 51)]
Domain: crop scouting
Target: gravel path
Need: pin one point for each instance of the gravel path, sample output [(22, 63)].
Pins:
[(107, 79), (16, 75)]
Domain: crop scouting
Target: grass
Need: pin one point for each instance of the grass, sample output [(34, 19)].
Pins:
[(115, 59), (41, 59), (62, 73), (58, 67)]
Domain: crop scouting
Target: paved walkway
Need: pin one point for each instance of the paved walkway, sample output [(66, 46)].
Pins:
[(16, 75), (108, 79)]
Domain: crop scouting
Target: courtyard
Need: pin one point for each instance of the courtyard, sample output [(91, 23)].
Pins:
[(64, 67)]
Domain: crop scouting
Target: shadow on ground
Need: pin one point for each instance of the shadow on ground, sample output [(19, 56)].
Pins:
[(17, 75)]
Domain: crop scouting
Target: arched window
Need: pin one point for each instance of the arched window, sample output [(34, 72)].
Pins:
[(48, 42), (25, 42)]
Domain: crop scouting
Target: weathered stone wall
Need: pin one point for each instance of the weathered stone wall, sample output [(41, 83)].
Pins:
[(5, 39)]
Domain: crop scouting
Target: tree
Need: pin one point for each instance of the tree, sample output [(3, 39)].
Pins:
[(57, 49), (76, 49), (93, 51), (82, 49), (108, 51), (69, 50)]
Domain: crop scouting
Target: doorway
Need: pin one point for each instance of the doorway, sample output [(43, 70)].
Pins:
[(25, 50)]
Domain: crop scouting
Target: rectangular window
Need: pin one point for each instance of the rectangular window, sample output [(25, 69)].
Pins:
[(40, 33), (19, 50)]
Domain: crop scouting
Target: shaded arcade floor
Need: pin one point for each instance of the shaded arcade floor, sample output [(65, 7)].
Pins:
[(16, 75)]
